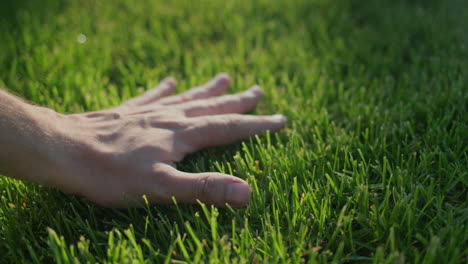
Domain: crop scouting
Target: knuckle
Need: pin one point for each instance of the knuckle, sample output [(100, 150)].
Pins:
[(233, 122), (213, 106), (115, 115), (143, 121), (207, 190)]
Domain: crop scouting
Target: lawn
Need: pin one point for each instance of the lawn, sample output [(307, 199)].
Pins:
[(372, 167)]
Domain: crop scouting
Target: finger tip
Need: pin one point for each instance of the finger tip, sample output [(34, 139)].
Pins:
[(170, 81), (238, 193), (257, 90), (223, 75), (223, 79), (280, 118)]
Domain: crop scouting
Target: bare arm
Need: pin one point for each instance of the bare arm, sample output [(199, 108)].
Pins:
[(26, 137), (113, 157)]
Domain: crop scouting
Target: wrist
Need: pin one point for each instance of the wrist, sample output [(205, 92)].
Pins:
[(53, 147), (26, 136)]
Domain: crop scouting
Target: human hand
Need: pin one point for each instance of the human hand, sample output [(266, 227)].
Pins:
[(114, 157)]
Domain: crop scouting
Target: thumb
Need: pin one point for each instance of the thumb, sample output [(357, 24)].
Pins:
[(211, 188)]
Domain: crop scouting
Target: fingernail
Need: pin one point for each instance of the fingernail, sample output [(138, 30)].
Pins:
[(279, 118), (238, 194)]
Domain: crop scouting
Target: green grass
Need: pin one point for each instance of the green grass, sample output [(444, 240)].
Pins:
[(373, 164)]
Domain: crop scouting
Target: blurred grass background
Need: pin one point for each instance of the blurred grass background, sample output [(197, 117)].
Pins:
[(372, 166)]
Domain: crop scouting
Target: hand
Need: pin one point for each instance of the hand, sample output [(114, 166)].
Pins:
[(116, 156)]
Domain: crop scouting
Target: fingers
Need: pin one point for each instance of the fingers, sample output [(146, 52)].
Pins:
[(215, 87), (237, 103), (210, 188), (165, 88), (210, 131)]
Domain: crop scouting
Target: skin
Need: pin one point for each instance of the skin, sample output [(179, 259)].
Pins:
[(114, 157)]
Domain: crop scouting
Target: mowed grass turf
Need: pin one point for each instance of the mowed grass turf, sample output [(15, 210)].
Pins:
[(371, 168)]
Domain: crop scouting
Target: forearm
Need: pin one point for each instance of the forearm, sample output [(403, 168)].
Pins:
[(26, 137)]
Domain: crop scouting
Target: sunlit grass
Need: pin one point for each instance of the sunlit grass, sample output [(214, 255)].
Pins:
[(371, 168)]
